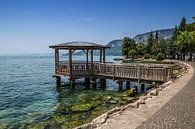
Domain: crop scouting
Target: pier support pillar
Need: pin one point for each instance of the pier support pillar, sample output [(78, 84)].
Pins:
[(103, 83), (94, 83), (136, 89), (58, 80), (72, 83), (87, 83), (120, 85), (142, 88), (128, 85)]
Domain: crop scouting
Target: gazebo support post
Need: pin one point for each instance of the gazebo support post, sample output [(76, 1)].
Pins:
[(70, 63), (92, 61), (58, 78), (87, 59), (56, 59), (104, 55), (100, 55)]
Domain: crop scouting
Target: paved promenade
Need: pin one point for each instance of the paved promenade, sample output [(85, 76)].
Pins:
[(173, 108), (178, 113)]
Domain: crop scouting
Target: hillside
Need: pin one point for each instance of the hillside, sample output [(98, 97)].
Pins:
[(116, 45), (163, 33)]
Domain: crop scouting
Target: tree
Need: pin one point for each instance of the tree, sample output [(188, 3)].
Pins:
[(156, 37), (128, 44), (150, 42), (191, 27), (183, 25), (132, 53), (184, 43), (191, 44), (171, 51), (125, 46), (141, 49)]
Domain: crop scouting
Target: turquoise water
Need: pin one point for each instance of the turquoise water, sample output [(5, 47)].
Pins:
[(29, 95)]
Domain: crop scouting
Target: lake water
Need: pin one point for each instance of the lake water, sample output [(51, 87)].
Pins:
[(29, 95)]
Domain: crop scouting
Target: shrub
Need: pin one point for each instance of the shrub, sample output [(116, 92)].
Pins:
[(146, 56), (159, 57)]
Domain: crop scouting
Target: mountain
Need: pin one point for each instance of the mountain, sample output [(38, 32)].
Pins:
[(163, 33), (116, 45)]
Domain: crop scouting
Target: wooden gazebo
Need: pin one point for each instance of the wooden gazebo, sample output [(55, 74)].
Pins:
[(78, 69)]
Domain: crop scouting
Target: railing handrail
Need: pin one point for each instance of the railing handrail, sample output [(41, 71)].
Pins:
[(153, 72)]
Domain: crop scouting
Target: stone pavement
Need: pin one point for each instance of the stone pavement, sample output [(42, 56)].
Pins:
[(178, 113), (173, 108)]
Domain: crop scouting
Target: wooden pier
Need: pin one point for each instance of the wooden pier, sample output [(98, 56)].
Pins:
[(91, 70)]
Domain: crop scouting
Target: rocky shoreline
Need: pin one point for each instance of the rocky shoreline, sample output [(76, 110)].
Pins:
[(136, 103)]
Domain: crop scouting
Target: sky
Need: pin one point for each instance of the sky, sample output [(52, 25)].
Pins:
[(30, 26)]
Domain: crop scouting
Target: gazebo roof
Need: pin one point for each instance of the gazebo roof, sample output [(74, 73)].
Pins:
[(78, 45)]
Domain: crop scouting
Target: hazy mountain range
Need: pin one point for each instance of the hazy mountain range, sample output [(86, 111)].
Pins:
[(116, 45)]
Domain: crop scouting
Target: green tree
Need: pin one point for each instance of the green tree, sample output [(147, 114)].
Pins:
[(156, 37), (171, 50), (191, 27), (132, 53), (150, 42), (183, 43), (191, 44), (125, 47), (183, 25), (141, 49), (128, 44)]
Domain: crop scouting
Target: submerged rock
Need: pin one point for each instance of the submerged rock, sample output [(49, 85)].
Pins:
[(74, 123), (83, 107), (113, 102), (107, 98), (3, 126)]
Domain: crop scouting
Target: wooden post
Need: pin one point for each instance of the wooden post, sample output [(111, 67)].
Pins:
[(128, 85), (87, 59), (92, 69), (56, 60), (94, 83), (120, 85), (100, 55), (136, 89), (58, 80), (142, 88), (72, 83), (138, 74), (103, 83), (70, 63), (104, 55), (87, 83)]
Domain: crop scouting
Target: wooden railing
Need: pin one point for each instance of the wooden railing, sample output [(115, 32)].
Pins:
[(78, 68), (138, 71), (127, 71)]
